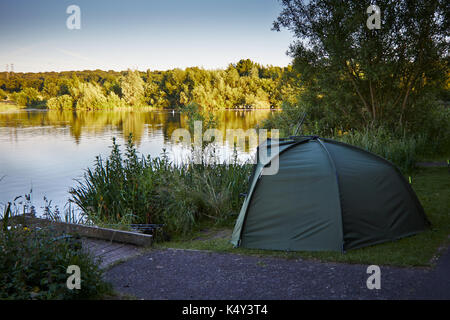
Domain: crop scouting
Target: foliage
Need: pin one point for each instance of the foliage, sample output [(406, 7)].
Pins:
[(242, 85), (113, 100), (27, 97), (402, 150), (355, 77), (88, 96), (146, 190), (402, 146), (3, 94), (132, 87), (33, 265), (194, 112), (60, 102)]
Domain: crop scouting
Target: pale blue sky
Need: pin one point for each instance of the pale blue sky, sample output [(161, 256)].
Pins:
[(142, 34)]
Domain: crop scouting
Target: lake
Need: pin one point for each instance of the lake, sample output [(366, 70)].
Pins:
[(46, 150)]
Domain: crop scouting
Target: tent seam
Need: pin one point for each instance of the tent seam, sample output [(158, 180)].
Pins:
[(338, 189)]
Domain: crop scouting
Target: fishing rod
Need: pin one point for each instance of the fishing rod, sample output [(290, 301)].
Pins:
[(299, 124)]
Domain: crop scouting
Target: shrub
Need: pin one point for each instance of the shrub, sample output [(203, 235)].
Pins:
[(3, 94), (33, 265), (88, 96), (27, 97), (113, 100), (61, 102), (403, 145), (436, 127)]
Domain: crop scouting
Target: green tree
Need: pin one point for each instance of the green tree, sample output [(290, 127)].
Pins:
[(27, 97), (358, 77), (61, 102), (88, 96), (132, 88), (50, 89), (244, 67)]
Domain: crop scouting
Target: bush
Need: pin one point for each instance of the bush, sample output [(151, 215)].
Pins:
[(61, 102), (403, 145), (153, 190), (33, 265), (113, 100), (3, 95), (436, 127), (27, 97), (88, 96)]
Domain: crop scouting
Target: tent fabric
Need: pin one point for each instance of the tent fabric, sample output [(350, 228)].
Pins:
[(326, 196)]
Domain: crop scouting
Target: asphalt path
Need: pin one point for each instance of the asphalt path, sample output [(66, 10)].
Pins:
[(198, 275)]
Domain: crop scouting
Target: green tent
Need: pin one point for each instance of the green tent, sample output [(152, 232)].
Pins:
[(327, 195)]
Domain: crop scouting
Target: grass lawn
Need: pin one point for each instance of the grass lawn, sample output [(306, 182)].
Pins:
[(432, 186)]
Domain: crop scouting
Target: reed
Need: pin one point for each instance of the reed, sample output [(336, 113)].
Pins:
[(401, 149), (127, 188)]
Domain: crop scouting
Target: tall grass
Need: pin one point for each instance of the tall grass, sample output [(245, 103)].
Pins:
[(402, 150), (403, 145), (128, 188)]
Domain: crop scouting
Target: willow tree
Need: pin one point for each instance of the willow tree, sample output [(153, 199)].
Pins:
[(132, 86), (358, 76)]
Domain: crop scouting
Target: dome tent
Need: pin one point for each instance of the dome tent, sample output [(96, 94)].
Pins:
[(326, 196)]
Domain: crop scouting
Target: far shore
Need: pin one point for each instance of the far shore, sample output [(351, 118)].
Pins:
[(11, 105)]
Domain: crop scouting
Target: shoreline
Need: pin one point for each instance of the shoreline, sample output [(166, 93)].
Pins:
[(13, 106)]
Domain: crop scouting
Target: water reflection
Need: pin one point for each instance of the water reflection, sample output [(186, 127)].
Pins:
[(46, 150), (126, 121)]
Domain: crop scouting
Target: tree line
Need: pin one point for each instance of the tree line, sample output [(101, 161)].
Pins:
[(244, 84)]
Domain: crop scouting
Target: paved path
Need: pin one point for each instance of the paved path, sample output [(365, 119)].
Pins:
[(437, 285), (185, 274)]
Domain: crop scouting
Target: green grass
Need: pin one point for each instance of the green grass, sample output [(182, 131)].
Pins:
[(432, 186)]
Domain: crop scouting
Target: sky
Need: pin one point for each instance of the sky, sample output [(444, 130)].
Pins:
[(140, 34)]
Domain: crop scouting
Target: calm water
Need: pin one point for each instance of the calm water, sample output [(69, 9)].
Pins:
[(44, 151)]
